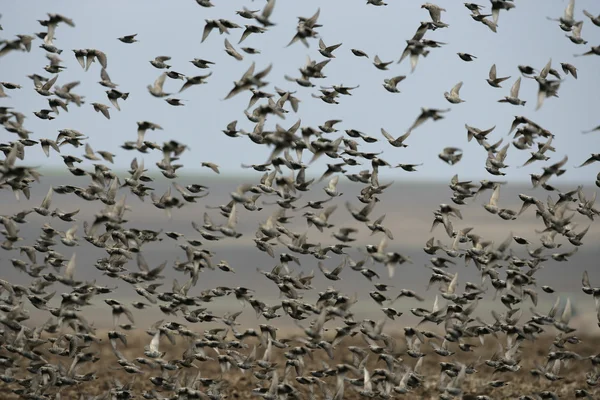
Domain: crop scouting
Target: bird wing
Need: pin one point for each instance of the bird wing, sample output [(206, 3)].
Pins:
[(48, 199), (397, 79), (577, 29), (333, 183), (155, 341), (366, 210), (48, 84), (339, 268), (567, 312), (495, 196), (313, 20), (585, 279), (453, 283), (554, 309), (546, 145), (88, 150), (160, 81), (101, 56), (207, 29), (329, 211), (322, 45), (367, 385), (231, 221), (70, 270), (544, 72), (492, 73), (128, 314), (435, 13), (70, 234), (141, 262), (514, 90), (322, 268), (456, 89), (245, 34), (402, 138), (268, 9), (387, 135), (570, 10)]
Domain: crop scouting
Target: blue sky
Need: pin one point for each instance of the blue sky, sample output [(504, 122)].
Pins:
[(525, 36)]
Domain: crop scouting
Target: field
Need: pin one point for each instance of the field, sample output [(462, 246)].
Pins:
[(239, 385)]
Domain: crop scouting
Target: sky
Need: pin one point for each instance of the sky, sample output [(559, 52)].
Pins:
[(525, 36)]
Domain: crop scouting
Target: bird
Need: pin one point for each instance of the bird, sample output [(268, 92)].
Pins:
[(263, 17), (114, 95), (380, 64), (101, 108), (194, 80), (156, 89), (334, 274), (391, 84), (593, 158), (331, 188), (513, 98), (327, 51), (594, 50), (359, 53), (232, 52), (129, 39), (159, 62), (479, 134), (44, 88), (467, 57), (597, 128), (567, 21), (44, 208), (377, 3), (454, 96), (493, 80), (251, 29), (396, 142), (569, 69), (174, 101), (451, 155), (361, 215), (595, 19), (428, 113), (575, 35), (201, 63), (435, 13), (492, 206), (212, 166)]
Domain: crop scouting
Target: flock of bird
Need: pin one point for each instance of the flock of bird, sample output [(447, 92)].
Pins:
[(44, 360)]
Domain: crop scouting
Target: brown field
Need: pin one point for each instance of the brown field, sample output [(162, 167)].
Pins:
[(238, 385)]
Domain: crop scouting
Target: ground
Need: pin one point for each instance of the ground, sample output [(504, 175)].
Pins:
[(239, 385)]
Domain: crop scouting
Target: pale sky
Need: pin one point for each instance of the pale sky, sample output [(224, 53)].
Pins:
[(174, 28)]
